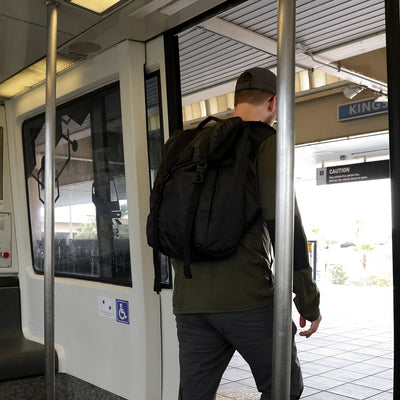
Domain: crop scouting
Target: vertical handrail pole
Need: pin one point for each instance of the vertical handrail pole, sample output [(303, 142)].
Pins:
[(392, 12), (284, 202), (49, 199)]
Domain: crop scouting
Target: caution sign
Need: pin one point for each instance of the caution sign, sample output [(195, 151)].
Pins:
[(353, 172)]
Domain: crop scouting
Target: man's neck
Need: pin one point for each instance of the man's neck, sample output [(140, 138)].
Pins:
[(249, 112)]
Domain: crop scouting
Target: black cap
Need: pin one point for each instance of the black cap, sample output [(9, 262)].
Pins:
[(261, 78)]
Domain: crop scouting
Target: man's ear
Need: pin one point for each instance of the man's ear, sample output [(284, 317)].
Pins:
[(272, 103)]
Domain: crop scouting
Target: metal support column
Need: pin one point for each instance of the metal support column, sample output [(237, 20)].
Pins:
[(393, 59), (49, 199), (284, 202)]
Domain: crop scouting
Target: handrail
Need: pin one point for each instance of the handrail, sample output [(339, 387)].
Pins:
[(284, 202), (49, 198), (71, 144)]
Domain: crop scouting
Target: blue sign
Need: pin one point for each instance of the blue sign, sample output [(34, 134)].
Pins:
[(122, 311), (364, 108)]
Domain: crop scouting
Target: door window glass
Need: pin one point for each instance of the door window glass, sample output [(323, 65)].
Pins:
[(91, 213)]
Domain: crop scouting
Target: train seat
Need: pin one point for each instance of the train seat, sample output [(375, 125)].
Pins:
[(19, 357)]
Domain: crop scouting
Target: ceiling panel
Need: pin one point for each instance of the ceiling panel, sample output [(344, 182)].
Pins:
[(348, 148), (23, 27), (204, 56), (31, 39), (23, 32), (320, 25), (253, 13)]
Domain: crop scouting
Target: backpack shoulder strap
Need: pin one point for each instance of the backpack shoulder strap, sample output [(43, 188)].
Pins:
[(194, 199), (258, 132), (207, 120)]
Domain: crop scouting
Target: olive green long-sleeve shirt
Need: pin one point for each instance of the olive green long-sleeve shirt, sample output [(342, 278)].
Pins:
[(244, 280)]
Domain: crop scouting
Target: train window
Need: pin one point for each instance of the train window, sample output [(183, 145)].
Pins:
[(155, 141), (91, 214)]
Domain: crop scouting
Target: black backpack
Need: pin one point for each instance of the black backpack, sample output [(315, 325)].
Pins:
[(199, 209)]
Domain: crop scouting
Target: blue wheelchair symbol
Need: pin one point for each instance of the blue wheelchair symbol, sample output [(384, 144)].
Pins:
[(122, 311)]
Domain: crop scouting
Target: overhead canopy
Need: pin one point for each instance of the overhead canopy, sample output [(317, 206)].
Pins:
[(217, 51)]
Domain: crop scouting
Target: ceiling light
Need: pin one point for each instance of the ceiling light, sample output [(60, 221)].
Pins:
[(98, 6), (352, 91), (382, 98), (31, 76)]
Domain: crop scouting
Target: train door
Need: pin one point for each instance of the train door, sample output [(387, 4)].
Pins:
[(107, 320), (159, 104)]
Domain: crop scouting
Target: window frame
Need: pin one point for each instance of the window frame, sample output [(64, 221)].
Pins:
[(150, 75), (113, 281)]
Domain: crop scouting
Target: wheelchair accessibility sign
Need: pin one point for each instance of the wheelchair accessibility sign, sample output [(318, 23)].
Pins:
[(122, 311)]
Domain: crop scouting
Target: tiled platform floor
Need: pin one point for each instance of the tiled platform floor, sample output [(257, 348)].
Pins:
[(350, 357)]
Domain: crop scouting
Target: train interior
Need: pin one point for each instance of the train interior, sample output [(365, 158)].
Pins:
[(128, 74)]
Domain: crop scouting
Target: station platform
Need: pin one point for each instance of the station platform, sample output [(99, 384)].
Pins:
[(350, 357)]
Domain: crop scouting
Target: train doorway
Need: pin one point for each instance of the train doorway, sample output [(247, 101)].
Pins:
[(347, 217), (212, 54), (343, 190), (349, 230)]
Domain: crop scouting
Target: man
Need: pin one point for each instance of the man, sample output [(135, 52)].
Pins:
[(228, 305)]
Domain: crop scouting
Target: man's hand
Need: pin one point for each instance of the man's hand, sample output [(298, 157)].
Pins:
[(313, 328)]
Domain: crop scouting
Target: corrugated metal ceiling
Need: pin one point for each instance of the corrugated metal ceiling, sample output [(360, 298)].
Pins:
[(208, 59), (205, 57)]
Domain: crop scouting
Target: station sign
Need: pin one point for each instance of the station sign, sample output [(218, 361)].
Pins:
[(353, 172), (359, 109)]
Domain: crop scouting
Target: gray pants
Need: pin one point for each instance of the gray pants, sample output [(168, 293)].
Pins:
[(207, 343)]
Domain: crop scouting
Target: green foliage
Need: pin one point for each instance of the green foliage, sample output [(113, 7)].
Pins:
[(338, 275), (315, 231), (373, 280), (124, 210), (364, 247), (88, 230)]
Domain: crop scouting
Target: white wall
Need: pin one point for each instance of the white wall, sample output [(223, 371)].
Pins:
[(317, 119), (124, 359)]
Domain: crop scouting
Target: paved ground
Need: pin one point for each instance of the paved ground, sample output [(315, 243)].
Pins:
[(351, 356)]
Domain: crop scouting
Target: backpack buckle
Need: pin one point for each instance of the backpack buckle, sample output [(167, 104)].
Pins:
[(201, 169)]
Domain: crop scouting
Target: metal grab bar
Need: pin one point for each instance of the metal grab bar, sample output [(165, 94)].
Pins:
[(49, 199), (284, 202), (71, 144)]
